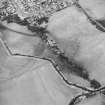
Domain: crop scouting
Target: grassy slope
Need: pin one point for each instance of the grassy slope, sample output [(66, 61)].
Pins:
[(71, 25), (29, 81), (95, 8)]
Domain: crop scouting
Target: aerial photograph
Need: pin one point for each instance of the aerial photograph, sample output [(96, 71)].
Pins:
[(52, 52)]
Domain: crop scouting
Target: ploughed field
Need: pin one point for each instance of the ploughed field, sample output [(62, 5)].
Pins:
[(79, 32)]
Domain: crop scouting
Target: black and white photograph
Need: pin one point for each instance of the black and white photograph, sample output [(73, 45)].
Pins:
[(52, 52)]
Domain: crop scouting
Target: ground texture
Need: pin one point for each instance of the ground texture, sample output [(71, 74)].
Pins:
[(79, 32)]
